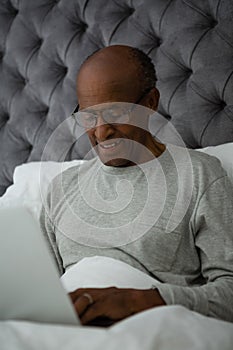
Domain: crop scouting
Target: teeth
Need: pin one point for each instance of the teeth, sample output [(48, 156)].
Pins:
[(110, 145)]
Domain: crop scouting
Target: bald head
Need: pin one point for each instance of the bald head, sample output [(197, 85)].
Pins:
[(115, 73), (111, 55)]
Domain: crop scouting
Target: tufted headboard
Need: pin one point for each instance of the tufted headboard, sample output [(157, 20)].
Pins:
[(43, 43)]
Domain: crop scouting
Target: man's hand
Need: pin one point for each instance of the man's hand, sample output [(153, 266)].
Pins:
[(113, 303)]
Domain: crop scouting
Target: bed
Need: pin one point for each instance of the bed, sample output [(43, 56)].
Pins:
[(42, 45)]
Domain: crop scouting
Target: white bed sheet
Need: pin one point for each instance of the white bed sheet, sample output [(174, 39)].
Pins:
[(163, 328)]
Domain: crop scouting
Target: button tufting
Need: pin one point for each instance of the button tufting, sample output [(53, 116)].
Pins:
[(213, 23), (83, 26), (189, 71), (24, 81), (222, 104), (65, 70), (6, 117), (39, 42), (159, 41), (14, 11), (30, 147), (130, 11), (45, 111), (1, 55)]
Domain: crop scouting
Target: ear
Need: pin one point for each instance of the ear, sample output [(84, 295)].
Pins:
[(153, 99)]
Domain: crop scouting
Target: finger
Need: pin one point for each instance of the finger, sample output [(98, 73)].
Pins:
[(104, 308), (77, 293), (92, 312), (81, 304), (96, 293)]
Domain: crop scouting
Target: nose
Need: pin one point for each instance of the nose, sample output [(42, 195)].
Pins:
[(103, 130)]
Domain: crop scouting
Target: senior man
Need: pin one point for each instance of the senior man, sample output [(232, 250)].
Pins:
[(163, 209)]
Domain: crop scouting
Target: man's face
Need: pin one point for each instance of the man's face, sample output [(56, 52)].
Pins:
[(116, 138), (102, 89)]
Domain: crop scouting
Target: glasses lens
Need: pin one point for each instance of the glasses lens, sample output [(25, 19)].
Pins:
[(113, 115), (85, 119), (116, 115)]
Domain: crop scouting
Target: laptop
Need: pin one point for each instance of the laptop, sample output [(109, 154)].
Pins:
[(30, 287)]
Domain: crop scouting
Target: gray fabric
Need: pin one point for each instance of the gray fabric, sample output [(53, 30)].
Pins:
[(186, 243), (43, 42)]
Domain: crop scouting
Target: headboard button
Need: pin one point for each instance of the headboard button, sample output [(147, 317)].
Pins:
[(39, 42), (30, 147), (65, 70), (83, 26), (24, 81), (213, 23), (159, 42), (223, 104), (189, 72), (5, 117), (45, 112), (14, 11), (130, 11), (167, 116)]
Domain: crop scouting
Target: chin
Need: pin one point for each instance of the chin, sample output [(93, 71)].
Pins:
[(117, 162)]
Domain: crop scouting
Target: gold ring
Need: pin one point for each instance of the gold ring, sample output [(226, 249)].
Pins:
[(89, 297)]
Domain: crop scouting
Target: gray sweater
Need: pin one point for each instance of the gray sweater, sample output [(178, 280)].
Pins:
[(171, 217)]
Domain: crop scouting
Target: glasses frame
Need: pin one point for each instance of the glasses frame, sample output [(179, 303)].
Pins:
[(76, 110)]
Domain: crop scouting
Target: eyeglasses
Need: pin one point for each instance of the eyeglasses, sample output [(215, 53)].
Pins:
[(117, 113)]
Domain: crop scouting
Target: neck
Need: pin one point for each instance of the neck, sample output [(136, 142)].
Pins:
[(158, 148), (153, 150)]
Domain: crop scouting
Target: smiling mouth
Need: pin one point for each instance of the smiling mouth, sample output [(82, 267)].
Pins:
[(109, 145)]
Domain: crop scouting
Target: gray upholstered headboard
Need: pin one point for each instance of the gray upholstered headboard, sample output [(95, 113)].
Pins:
[(43, 42)]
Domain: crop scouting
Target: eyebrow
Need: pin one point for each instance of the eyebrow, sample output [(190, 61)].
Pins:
[(101, 110)]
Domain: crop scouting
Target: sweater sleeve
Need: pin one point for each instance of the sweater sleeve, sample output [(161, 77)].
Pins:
[(48, 230), (212, 226)]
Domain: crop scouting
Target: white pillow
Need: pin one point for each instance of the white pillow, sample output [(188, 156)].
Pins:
[(30, 184), (31, 180), (225, 154)]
